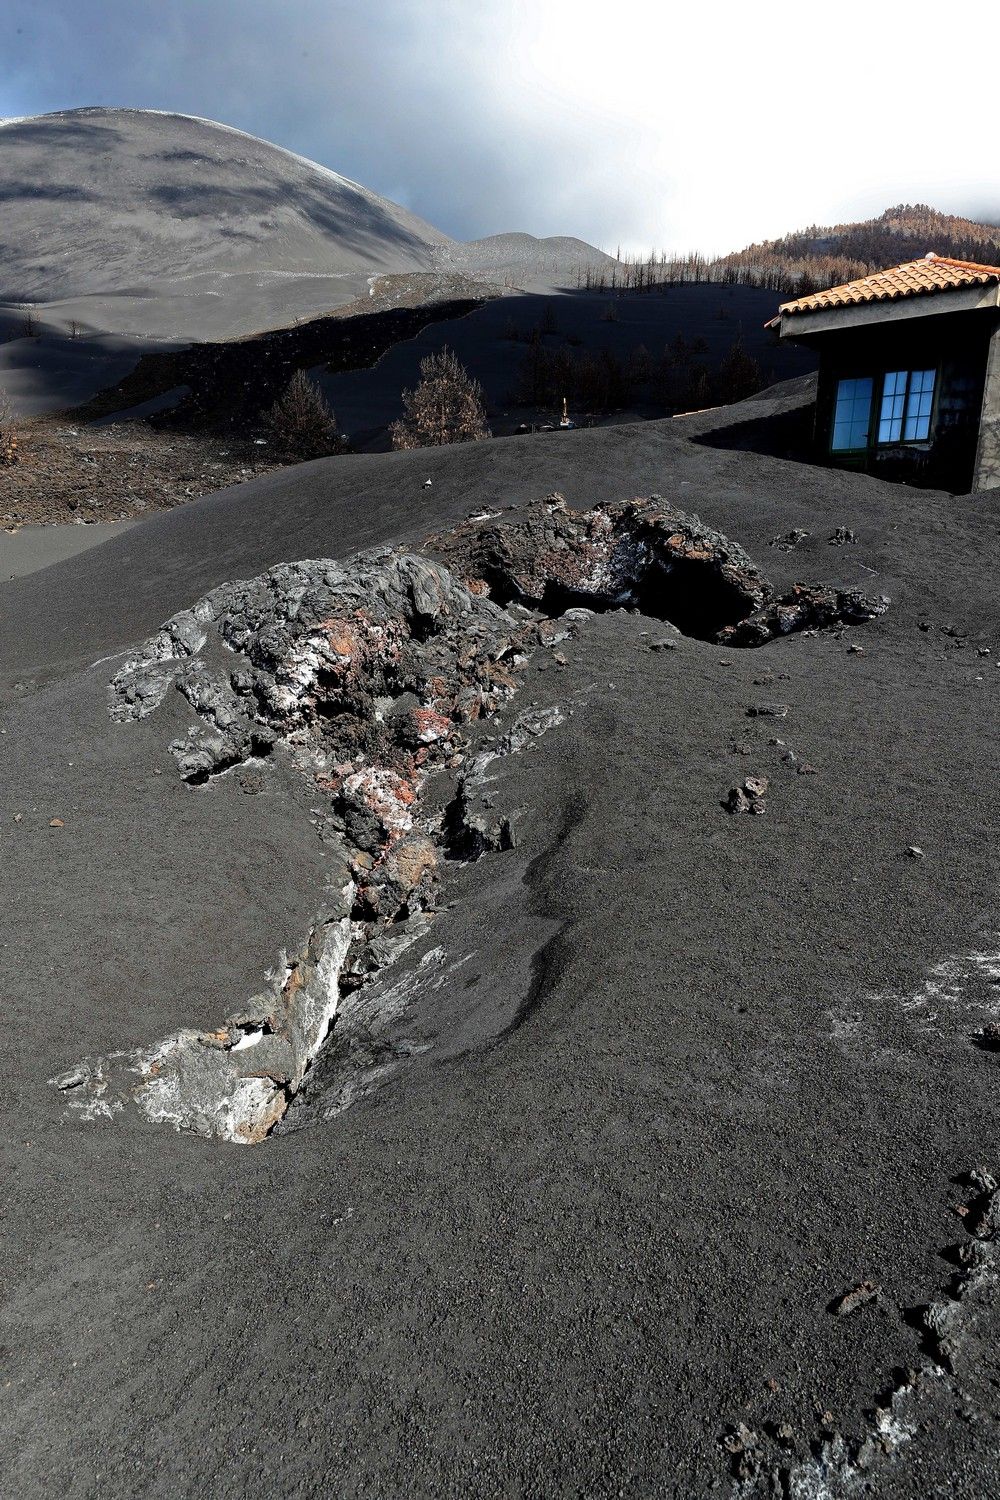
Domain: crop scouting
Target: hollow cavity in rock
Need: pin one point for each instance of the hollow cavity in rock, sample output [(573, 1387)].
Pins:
[(645, 555)]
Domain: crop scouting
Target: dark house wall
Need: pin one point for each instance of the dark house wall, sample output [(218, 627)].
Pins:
[(955, 345)]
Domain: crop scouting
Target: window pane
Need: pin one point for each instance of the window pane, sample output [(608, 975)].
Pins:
[(917, 428), (890, 416), (919, 405), (852, 413)]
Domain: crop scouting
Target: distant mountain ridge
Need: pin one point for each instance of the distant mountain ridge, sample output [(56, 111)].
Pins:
[(809, 259), (841, 252)]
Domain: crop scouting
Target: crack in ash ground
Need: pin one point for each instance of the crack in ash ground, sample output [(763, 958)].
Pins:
[(369, 677), (959, 991), (838, 1466)]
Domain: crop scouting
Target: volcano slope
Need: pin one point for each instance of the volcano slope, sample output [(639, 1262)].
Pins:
[(132, 231), (208, 210), (651, 1148)]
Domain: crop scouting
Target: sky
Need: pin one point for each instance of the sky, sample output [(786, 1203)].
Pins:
[(647, 126)]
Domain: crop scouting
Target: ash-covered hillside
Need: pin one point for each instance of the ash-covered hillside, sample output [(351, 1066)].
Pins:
[(165, 226), (141, 222), (573, 884), (527, 262)]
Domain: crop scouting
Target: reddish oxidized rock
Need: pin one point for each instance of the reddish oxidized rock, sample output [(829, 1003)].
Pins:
[(429, 725)]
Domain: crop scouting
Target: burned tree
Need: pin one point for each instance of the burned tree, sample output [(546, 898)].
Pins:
[(739, 374), (446, 407), (301, 424)]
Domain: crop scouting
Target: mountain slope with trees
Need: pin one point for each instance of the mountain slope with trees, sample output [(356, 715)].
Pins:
[(818, 256)]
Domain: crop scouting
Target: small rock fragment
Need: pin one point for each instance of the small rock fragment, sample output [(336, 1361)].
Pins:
[(56, 823), (740, 1439), (767, 711), (974, 1255), (914, 851), (744, 1446), (748, 798), (789, 539), (865, 1291), (987, 1225)]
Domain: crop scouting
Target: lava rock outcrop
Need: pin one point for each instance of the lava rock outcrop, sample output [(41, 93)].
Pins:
[(644, 554), (366, 676)]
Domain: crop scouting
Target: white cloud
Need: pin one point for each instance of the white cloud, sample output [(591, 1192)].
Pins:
[(680, 127)]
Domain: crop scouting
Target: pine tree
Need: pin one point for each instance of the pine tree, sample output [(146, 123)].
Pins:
[(301, 423), (446, 406)]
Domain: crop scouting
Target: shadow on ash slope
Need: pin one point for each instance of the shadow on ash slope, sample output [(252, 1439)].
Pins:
[(369, 676)]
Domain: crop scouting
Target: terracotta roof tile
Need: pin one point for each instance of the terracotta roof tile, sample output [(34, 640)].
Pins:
[(915, 278)]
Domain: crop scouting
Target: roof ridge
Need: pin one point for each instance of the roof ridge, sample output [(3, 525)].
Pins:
[(963, 265), (911, 278)]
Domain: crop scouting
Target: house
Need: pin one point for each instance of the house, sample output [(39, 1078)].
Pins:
[(909, 372)]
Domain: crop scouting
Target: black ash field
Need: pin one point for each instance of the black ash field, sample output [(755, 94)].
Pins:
[(645, 1168)]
